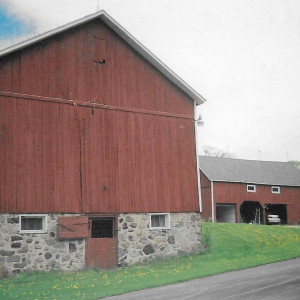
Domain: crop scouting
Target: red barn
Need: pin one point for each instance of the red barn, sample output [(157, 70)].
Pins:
[(97, 143), (249, 191)]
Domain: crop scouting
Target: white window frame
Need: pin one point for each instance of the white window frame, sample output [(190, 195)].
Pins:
[(44, 223), (251, 185), (167, 220), (275, 187)]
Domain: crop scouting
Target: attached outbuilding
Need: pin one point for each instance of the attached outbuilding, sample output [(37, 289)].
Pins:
[(249, 191), (97, 152)]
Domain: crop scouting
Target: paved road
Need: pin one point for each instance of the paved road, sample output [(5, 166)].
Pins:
[(274, 281)]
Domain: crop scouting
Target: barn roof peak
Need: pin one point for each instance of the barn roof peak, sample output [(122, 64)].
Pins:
[(122, 32)]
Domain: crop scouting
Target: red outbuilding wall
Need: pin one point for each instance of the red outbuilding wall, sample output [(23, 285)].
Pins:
[(80, 136), (206, 197), (236, 193)]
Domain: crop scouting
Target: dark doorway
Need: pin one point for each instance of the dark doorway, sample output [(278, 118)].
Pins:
[(101, 244), (226, 213), (251, 212), (274, 210)]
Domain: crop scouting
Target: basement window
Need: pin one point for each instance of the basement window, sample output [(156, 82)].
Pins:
[(251, 188), (159, 221), (275, 189), (33, 223)]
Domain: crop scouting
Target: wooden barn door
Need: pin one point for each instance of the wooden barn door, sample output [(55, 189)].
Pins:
[(101, 244)]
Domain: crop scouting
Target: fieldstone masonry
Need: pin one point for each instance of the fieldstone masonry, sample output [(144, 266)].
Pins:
[(41, 251), (138, 244)]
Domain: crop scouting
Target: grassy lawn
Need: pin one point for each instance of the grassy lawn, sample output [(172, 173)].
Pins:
[(230, 247)]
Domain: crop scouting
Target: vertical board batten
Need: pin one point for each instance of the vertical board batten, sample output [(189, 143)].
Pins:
[(16, 65), (63, 66), (127, 161), (58, 157), (6, 74), (206, 197)]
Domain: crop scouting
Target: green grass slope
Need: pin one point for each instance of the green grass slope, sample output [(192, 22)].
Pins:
[(230, 247)]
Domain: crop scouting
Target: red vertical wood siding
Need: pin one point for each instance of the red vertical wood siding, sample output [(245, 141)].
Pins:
[(206, 197), (57, 157), (236, 193), (39, 158), (63, 66)]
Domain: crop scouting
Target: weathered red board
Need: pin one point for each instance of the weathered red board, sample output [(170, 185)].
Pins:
[(102, 252), (73, 227), (136, 154), (236, 193), (63, 66)]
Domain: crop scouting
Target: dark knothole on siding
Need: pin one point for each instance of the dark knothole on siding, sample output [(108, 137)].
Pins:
[(100, 62)]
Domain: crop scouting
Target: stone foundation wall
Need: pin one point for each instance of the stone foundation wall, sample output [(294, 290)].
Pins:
[(39, 251), (138, 244)]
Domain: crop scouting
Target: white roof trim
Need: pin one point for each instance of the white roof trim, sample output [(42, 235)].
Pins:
[(109, 21)]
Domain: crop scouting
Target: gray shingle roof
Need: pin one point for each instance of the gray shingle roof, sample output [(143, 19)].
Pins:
[(249, 171)]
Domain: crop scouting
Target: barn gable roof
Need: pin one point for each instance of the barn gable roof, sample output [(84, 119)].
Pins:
[(134, 43), (249, 171)]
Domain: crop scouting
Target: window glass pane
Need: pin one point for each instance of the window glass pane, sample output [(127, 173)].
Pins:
[(38, 225), (35, 223), (31, 223), (24, 224), (162, 219), (154, 221), (251, 188), (158, 220)]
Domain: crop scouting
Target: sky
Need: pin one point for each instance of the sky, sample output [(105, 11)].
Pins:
[(242, 56)]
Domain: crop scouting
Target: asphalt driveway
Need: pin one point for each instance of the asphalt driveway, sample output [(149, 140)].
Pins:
[(274, 281)]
